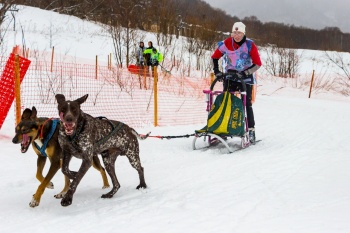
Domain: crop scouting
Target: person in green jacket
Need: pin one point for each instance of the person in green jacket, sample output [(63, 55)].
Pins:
[(155, 57), (147, 53)]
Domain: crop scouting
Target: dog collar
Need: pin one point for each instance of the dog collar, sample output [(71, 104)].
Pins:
[(73, 139)]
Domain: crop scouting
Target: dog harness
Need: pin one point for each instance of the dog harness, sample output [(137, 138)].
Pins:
[(42, 149), (115, 129)]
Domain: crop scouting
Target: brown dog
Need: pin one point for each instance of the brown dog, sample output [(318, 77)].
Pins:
[(42, 133), (84, 136)]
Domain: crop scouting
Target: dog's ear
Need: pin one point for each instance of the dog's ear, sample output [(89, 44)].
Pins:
[(34, 112), (60, 98), (82, 99), (26, 114)]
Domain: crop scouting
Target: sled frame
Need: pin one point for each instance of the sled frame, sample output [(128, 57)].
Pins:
[(212, 138)]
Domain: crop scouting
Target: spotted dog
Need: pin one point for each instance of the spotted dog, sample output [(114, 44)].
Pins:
[(84, 137), (42, 134)]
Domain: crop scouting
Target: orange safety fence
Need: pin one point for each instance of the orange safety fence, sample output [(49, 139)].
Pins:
[(116, 93)]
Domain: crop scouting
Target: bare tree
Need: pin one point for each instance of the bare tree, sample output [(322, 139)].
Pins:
[(339, 60), (288, 62), (271, 59), (5, 6), (117, 38), (190, 46), (282, 62), (125, 13)]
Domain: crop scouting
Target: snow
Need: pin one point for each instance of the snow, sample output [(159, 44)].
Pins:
[(294, 180)]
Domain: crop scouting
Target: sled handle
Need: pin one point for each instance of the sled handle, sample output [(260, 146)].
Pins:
[(213, 83), (235, 74)]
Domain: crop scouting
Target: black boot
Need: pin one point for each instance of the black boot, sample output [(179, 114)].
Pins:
[(252, 135)]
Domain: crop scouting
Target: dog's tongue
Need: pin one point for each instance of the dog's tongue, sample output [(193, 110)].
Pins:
[(25, 139), (24, 143)]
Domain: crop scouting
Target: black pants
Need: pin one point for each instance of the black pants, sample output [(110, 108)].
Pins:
[(152, 67), (236, 86)]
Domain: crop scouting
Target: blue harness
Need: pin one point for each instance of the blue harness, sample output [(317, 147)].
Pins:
[(48, 138)]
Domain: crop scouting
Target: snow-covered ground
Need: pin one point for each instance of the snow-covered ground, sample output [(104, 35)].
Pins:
[(294, 180)]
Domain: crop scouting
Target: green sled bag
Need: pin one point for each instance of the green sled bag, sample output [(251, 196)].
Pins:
[(226, 116)]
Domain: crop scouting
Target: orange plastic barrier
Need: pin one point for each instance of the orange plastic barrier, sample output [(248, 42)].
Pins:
[(7, 84)]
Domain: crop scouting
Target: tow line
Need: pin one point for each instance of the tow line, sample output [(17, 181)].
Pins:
[(170, 137)]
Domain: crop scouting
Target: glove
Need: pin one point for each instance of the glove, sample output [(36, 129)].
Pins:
[(219, 75), (241, 74), (244, 73)]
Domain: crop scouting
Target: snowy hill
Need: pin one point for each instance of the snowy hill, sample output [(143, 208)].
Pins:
[(294, 180)]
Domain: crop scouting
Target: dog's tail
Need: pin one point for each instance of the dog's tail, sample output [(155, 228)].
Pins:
[(140, 136)]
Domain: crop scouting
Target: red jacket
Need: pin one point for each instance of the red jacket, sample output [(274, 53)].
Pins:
[(254, 54)]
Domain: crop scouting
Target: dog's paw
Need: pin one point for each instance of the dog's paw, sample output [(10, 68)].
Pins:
[(107, 195), (66, 201), (34, 203), (60, 195), (50, 185), (141, 186), (110, 194)]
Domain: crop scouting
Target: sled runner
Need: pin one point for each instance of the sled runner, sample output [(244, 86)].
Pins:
[(227, 116)]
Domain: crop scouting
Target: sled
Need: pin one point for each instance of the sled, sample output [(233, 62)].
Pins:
[(227, 117), (135, 69)]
